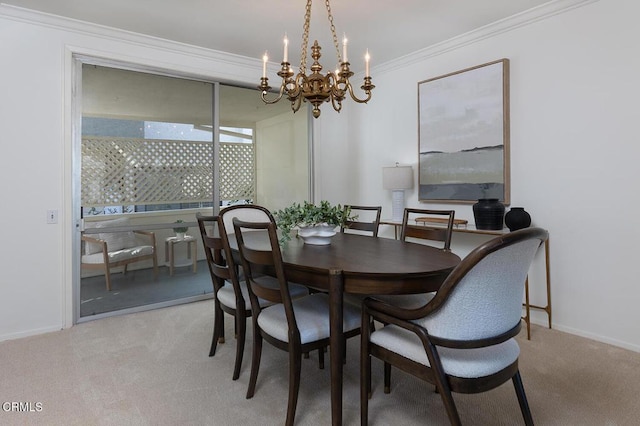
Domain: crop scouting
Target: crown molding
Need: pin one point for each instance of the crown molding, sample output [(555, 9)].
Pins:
[(544, 11), (115, 34), (547, 10)]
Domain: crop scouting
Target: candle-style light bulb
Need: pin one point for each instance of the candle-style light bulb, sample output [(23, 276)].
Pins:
[(265, 58), (367, 58), (286, 48), (344, 49)]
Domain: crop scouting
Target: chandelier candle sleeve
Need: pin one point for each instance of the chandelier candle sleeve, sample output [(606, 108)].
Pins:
[(366, 64), (286, 48), (344, 49), (265, 58)]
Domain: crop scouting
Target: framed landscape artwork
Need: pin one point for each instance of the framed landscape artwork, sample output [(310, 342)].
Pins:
[(464, 135)]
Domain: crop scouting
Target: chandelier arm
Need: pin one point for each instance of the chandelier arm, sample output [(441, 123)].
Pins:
[(273, 101), (367, 92), (298, 83), (296, 103), (337, 104), (337, 92)]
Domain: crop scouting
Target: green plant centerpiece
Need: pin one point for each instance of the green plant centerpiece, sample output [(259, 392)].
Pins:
[(180, 229), (315, 223)]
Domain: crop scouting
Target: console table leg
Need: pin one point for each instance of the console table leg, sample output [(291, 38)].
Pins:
[(527, 318), (546, 259)]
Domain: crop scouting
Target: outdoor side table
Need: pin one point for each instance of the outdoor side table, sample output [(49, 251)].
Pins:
[(192, 253)]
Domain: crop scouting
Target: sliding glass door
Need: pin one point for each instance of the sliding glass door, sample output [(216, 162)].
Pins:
[(147, 158), (154, 151)]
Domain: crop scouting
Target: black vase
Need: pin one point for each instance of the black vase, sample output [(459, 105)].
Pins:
[(517, 218), (489, 214)]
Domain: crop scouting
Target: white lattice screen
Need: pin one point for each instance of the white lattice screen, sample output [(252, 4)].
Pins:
[(121, 171)]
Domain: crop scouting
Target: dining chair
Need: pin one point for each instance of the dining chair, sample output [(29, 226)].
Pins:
[(463, 340), (292, 325), (438, 233), (440, 230), (230, 293), (227, 290), (411, 232), (426, 231), (363, 223)]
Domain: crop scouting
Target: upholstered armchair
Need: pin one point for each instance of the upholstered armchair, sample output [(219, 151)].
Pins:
[(107, 250)]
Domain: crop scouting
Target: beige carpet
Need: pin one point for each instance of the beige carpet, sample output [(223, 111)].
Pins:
[(152, 368)]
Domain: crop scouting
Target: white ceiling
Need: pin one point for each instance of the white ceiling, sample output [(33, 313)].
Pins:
[(249, 27), (389, 30)]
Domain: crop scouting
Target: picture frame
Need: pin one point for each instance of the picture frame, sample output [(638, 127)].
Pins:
[(463, 135)]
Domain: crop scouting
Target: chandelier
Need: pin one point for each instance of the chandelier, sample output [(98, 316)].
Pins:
[(315, 88)]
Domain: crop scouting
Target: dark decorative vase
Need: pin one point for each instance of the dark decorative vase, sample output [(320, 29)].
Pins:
[(517, 218), (489, 214)]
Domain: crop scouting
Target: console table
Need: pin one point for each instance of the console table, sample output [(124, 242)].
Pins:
[(471, 229)]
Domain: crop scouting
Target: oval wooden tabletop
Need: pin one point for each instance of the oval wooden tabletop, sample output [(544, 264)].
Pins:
[(369, 265)]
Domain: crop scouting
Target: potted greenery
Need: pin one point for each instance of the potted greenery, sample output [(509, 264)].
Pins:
[(180, 230), (316, 223)]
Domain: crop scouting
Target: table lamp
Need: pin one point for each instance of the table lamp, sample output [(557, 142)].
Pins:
[(397, 178)]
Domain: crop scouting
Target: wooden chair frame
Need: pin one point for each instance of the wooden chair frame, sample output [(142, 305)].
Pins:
[(363, 226), (106, 266), (222, 268), (445, 384), (426, 232), (271, 261)]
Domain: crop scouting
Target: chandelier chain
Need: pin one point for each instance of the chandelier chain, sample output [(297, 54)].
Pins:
[(305, 38), (333, 31)]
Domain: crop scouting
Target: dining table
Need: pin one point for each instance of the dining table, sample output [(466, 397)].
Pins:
[(360, 265)]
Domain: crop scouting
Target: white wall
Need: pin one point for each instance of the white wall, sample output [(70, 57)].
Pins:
[(574, 150)]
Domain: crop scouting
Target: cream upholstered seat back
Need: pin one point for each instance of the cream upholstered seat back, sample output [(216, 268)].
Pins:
[(115, 240), (487, 300), (246, 213)]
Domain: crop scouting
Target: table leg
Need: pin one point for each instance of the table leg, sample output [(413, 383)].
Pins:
[(528, 306), (527, 318), (336, 342), (195, 257), (546, 260), (171, 260)]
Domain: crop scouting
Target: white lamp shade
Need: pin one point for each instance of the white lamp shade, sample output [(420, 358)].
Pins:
[(397, 177)]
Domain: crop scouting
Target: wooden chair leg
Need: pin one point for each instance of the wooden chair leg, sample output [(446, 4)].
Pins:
[(107, 277), (155, 266), (295, 367), (365, 377), (450, 406), (321, 358), (443, 386), (387, 377), (522, 399), (255, 362), (218, 328), (241, 322)]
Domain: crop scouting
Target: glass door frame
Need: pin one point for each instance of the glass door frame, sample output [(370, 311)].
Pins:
[(78, 61)]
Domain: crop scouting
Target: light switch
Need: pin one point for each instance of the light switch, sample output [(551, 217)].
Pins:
[(52, 216)]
